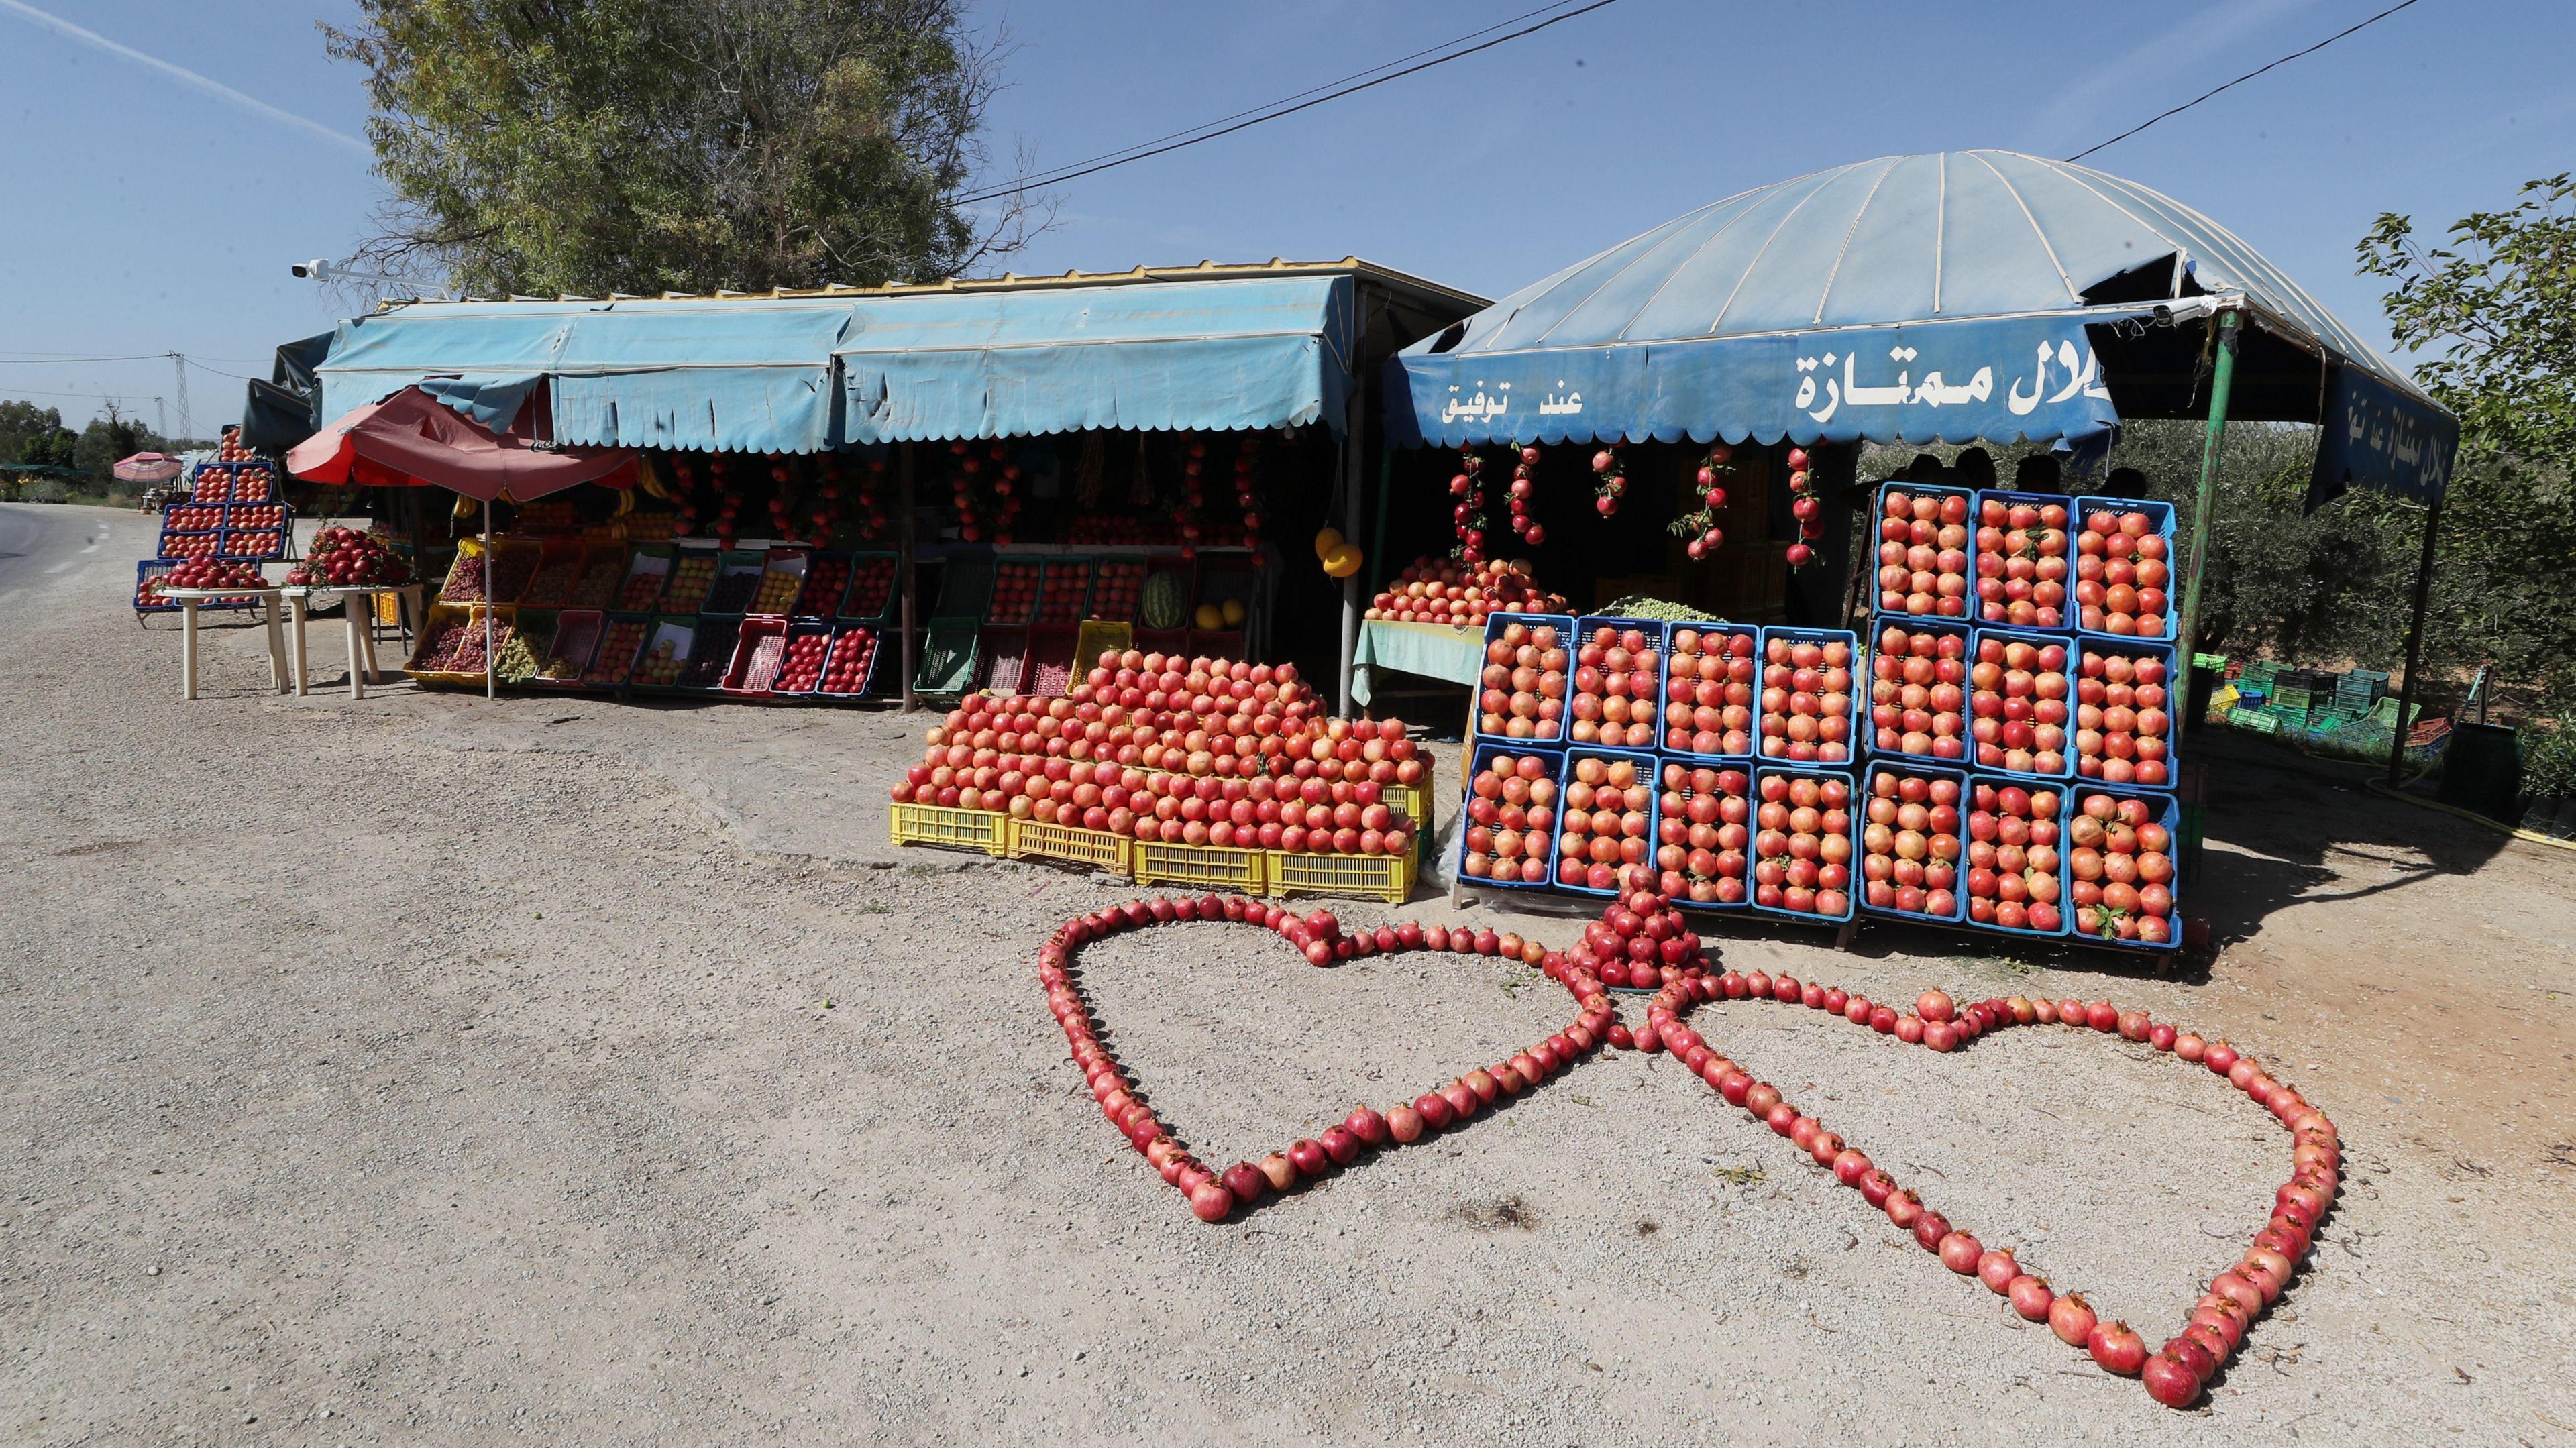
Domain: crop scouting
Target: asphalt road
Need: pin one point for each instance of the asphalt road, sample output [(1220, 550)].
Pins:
[(45, 541)]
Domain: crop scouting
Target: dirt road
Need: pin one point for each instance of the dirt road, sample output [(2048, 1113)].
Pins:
[(423, 1071)]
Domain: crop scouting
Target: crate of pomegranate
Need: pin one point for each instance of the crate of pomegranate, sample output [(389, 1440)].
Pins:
[(1618, 674), (853, 665), (2016, 879), (1800, 867), (2018, 693), (1804, 709), (2124, 554), (1911, 840), (1509, 833), (1521, 692), (1703, 834), (2121, 867), (1607, 822), (1918, 689), (1712, 675), (2124, 715), (2023, 560), (1925, 566)]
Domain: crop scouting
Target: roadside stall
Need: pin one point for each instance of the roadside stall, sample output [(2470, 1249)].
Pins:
[(903, 492), (1996, 747)]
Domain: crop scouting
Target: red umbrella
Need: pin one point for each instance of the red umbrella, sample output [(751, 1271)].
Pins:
[(426, 442), (148, 467), (413, 439)]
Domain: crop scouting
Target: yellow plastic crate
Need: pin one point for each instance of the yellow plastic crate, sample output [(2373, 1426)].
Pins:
[(956, 829), (1072, 844), (1410, 801), (1377, 877), (1222, 867)]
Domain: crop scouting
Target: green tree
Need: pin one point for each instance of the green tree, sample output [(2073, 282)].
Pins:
[(32, 434), (596, 146), (107, 440), (2490, 313)]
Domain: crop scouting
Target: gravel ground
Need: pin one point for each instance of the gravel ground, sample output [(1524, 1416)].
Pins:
[(418, 1070)]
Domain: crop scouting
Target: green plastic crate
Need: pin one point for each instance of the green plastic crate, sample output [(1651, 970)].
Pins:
[(950, 650)]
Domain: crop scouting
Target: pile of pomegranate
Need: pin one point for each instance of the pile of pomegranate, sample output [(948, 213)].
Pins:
[(1445, 590), (349, 556), (205, 573)]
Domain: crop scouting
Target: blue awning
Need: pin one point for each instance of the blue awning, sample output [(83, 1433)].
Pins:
[(1947, 297), (719, 373), (1217, 355)]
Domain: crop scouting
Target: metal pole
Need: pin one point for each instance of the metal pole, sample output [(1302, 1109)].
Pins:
[(904, 572), (491, 681), (2187, 636), (1350, 529), (2415, 637)]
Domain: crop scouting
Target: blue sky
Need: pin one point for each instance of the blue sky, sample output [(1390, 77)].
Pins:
[(147, 214)]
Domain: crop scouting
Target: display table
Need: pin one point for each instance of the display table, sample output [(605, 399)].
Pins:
[(1432, 650), (358, 613), (189, 599)]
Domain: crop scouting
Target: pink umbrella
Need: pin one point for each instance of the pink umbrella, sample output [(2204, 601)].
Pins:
[(148, 467)]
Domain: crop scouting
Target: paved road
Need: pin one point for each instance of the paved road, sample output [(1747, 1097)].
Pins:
[(40, 543)]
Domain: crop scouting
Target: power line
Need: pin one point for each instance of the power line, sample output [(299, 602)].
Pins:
[(1272, 115), (1048, 175), (2240, 80)]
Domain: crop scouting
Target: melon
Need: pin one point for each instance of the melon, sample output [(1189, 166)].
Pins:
[(1232, 612), (1209, 618), (1166, 601)]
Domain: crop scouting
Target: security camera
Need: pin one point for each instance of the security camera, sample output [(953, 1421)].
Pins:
[(317, 269)]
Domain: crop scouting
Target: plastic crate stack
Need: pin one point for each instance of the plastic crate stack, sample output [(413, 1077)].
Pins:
[(2020, 768), (1667, 745), (231, 510)]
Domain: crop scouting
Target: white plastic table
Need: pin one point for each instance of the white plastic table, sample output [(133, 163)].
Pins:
[(358, 614), (188, 600)]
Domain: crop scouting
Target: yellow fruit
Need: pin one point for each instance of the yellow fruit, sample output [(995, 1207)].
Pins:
[(1232, 612), (1209, 618), (1343, 561), (1326, 542)]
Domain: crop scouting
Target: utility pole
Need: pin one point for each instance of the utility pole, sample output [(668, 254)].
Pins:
[(187, 425), (161, 410)]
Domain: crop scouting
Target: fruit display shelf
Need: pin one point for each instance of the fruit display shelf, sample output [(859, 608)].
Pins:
[(737, 583), (233, 482), (648, 572), (711, 653), (2124, 720), (2009, 886), (2135, 901), (451, 650), (693, 573), (759, 654), (558, 571)]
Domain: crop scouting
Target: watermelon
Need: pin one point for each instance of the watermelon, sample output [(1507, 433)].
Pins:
[(1166, 601)]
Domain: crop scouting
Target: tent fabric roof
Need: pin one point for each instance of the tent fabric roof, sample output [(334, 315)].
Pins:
[(1233, 346), (1945, 239), (425, 440), (1252, 352)]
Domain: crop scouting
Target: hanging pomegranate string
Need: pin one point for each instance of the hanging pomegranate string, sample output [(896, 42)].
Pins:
[(1611, 480), (1700, 524), (1469, 489), (1806, 507), (1524, 486), (1247, 488)]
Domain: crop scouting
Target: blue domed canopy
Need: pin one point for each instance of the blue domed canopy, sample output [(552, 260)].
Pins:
[(1946, 297)]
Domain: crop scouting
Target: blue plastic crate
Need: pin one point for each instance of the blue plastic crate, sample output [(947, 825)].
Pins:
[(1851, 740), (1904, 766), (2174, 695), (2167, 812), (1647, 768), (1753, 860), (1653, 631), (1878, 519), (1985, 781), (2066, 756), (2067, 611), (1483, 756), (1665, 796), (1867, 728), (2161, 517), (1495, 623), (1664, 693)]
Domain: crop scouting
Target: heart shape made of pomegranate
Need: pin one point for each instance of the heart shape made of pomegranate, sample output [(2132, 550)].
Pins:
[(1657, 933), (2175, 1374)]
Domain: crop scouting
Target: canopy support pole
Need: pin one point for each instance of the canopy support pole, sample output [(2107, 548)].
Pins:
[(1351, 515), (2415, 639), (491, 665), (904, 570), (2187, 634)]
